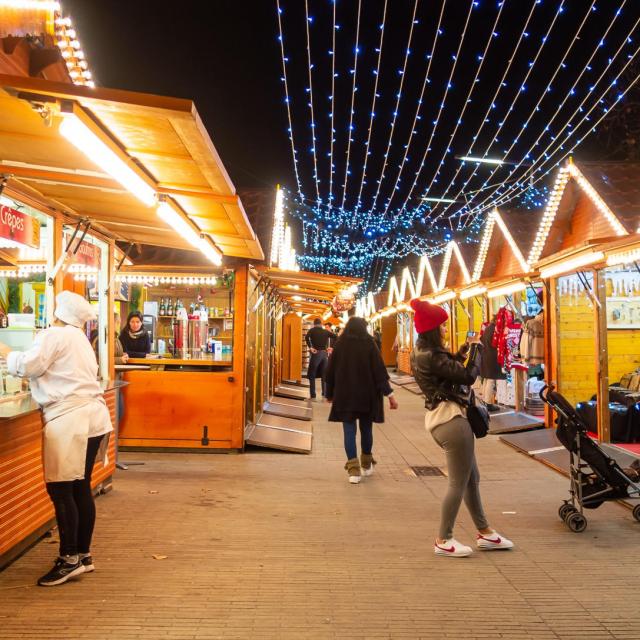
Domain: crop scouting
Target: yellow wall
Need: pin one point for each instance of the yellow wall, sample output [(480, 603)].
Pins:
[(624, 352), (576, 345)]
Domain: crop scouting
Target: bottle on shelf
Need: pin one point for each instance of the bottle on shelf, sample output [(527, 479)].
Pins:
[(170, 308), (192, 309), (162, 310)]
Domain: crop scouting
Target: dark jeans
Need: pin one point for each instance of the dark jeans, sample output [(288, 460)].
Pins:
[(74, 506), (366, 437), (317, 366)]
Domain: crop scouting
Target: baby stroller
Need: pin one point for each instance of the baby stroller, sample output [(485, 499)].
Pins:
[(595, 477)]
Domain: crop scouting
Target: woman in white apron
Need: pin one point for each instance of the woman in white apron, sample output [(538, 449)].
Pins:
[(63, 372)]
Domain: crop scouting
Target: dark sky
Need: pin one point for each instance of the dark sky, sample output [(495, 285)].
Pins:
[(222, 54)]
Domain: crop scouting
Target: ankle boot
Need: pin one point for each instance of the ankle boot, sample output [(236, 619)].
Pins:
[(367, 462), (353, 469)]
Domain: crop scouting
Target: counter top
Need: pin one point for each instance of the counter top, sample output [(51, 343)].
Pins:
[(163, 362), (24, 405)]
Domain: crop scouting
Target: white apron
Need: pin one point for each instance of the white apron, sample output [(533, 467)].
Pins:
[(68, 425)]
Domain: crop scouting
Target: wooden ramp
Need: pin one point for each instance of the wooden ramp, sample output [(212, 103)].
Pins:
[(287, 411), (297, 383), (286, 391), (402, 380), (277, 432), (513, 421)]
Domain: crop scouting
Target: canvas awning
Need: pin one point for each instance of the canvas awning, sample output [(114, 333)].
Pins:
[(161, 139)]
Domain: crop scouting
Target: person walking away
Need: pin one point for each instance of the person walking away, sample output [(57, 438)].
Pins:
[(319, 341), (62, 370), (444, 379), (357, 380)]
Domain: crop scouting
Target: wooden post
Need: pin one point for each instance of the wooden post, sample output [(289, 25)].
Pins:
[(602, 360), (108, 321), (551, 342)]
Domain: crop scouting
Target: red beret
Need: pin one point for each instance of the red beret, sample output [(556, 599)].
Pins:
[(427, 316)]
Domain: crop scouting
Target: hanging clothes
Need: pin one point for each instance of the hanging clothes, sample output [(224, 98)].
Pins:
[(504, 318), (532, 343)]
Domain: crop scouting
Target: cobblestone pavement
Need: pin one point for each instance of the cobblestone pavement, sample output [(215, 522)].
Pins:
[(277, 545)]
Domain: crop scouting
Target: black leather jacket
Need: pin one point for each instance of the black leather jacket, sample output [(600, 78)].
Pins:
[(442, 375)]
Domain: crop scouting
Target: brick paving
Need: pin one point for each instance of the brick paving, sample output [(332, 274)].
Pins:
[(277, 545)]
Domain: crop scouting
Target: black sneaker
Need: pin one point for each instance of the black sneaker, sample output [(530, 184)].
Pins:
[(87, 563), (61, 572)]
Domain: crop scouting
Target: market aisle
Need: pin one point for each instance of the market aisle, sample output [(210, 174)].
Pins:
[(273, 545)]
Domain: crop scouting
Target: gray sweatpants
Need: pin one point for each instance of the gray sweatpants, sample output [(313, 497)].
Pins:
[(457, 440)]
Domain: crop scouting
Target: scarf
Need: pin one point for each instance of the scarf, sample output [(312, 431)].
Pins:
[(134, 335)]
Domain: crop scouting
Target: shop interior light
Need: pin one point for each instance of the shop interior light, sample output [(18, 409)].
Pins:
[(169, 215), (296, 298), (481, 160), (623, 257), (79, 135), (507, 290), (473, 291), (571, 264), (211, 252)]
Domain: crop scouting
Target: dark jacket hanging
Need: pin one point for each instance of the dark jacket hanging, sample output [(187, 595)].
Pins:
[(356, 380), (489, 367)]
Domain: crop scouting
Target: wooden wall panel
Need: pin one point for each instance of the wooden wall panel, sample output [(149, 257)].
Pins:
[(389, 332), (586, 223)]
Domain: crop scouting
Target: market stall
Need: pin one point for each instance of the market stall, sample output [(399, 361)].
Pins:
[(568, 249)]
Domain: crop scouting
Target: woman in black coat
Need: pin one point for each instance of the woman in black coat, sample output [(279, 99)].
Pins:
[(356, 380), (135, 339)]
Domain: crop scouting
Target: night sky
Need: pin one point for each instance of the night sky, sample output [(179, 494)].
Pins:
[(526, 74), (222, 54)]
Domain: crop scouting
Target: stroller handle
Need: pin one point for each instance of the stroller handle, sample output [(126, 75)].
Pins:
[(547, 387)]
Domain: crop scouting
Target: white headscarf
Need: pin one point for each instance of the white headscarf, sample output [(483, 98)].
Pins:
[(73, 309)]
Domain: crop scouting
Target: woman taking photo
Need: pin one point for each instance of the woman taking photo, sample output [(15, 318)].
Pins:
[(135, 339), (443, 378), (63, 373), (356, 380)]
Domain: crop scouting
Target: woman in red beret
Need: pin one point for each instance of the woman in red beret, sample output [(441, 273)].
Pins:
[(443, 377)]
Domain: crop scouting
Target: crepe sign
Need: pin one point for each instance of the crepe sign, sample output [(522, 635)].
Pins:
[(87, 254), (19, 227)]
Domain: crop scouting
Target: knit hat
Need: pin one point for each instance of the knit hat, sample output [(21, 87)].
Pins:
[(73, 309), (427, 316)]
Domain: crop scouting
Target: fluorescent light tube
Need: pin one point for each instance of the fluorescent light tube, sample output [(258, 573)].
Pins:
[(571, 264), (481, 160)]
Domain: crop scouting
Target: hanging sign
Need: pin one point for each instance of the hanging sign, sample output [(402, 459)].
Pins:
[(87, 254), (19, 227)]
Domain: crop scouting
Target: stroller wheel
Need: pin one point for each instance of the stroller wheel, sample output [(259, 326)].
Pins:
[(576, 522), (636, 512), (565, 510)]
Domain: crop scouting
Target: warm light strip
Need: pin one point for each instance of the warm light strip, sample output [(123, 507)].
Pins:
[(277, 236), (549, 215), (445, 266), (512, 243), (597, 200), (506, 290), (571, 264), (623, 257), (79, 135), (141, 278), (461, 262), (444, 297), (484, 245), (30, 5), (474, 291)]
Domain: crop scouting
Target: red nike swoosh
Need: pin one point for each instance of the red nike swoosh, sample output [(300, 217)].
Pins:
[(450, 550), (498, 541)]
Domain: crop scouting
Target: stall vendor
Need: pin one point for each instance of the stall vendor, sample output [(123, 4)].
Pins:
[(63, 373), (135, 339)]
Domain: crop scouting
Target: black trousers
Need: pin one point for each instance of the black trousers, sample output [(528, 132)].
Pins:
[(74, 506), (317, 366)]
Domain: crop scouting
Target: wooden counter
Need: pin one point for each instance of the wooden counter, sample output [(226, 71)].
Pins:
[(26, 512), (161, 363)]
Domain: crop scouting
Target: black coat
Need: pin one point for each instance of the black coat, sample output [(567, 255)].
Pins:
[(489, 367), (442, 375), (356, 380)]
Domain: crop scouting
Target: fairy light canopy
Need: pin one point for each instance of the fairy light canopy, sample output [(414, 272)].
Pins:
[(409, 122)]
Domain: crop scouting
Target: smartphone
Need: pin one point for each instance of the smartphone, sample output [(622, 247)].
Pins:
[(471, 334)]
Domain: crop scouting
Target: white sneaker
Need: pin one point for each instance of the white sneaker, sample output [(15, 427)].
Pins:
[(452, 548), (493, 540), (355, 479)]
